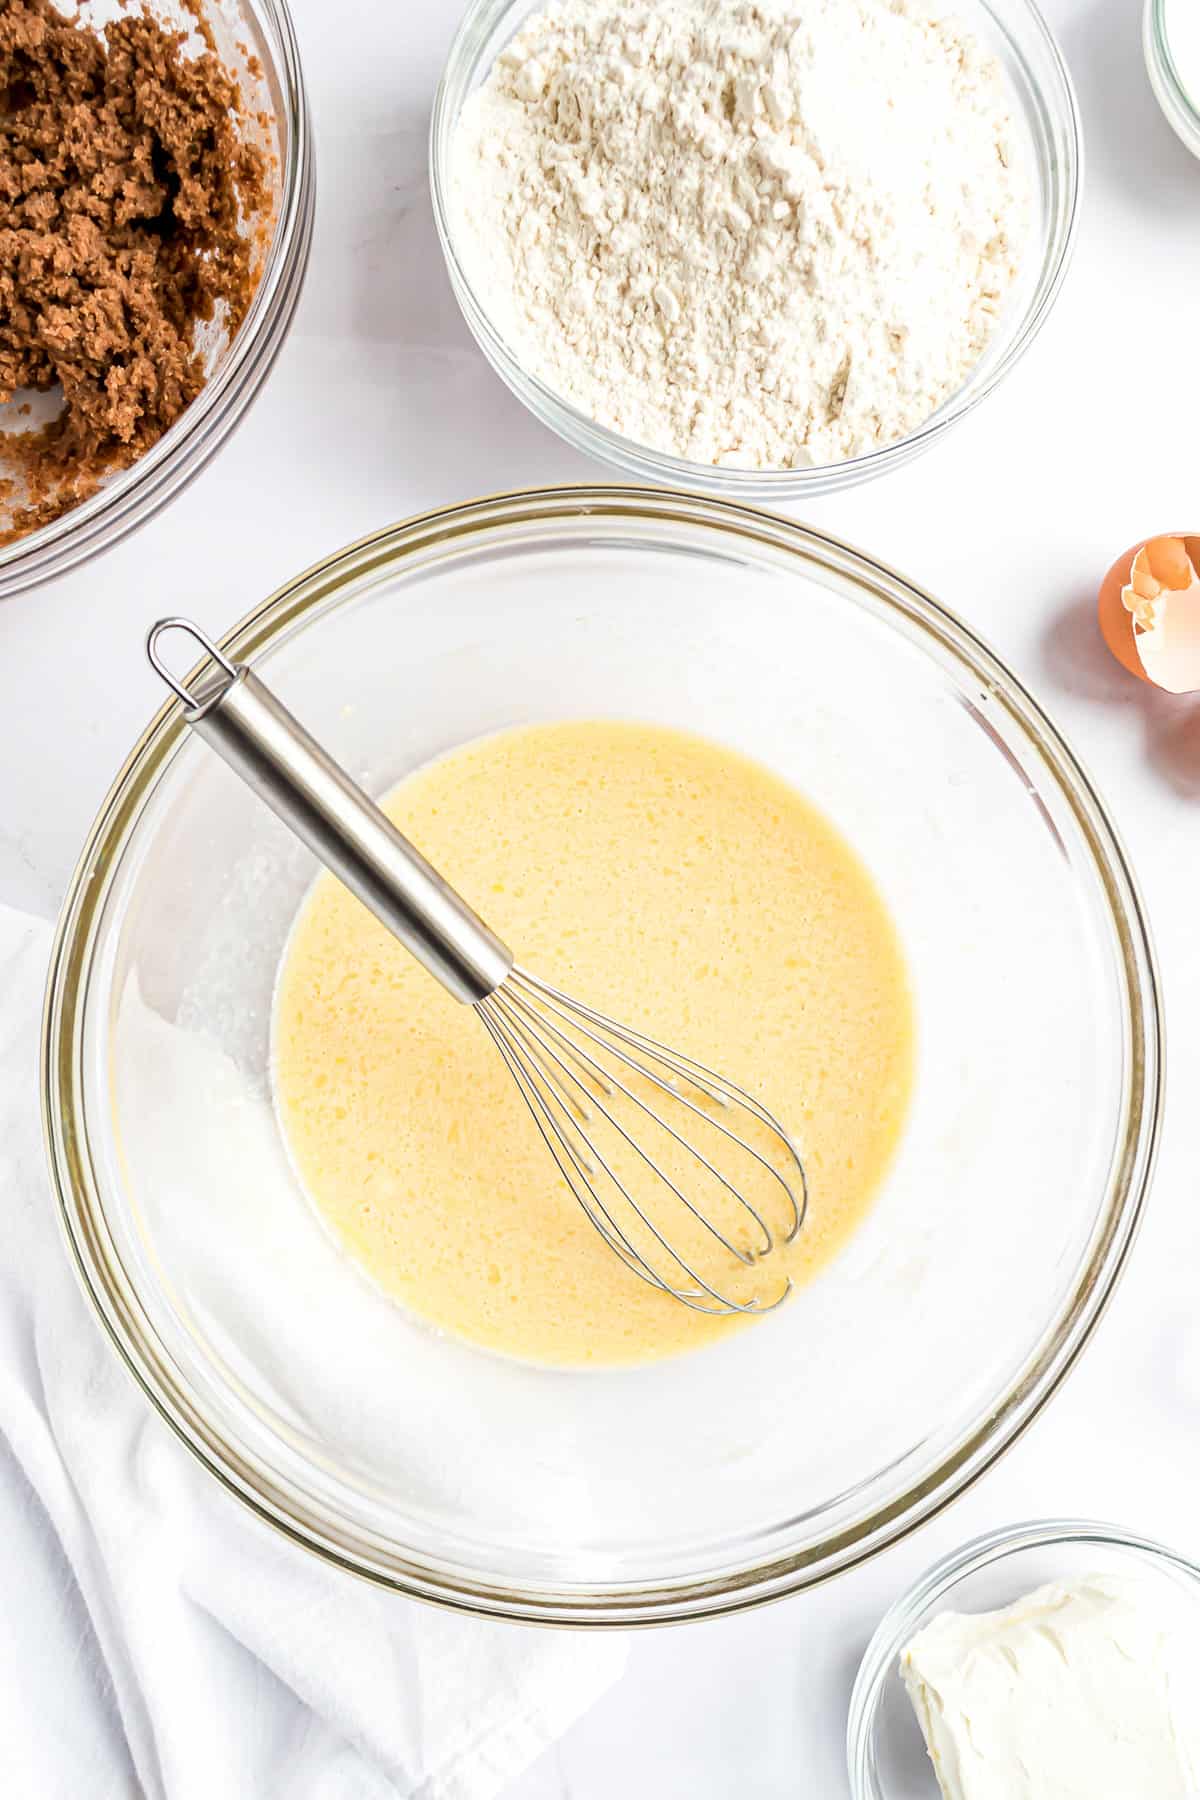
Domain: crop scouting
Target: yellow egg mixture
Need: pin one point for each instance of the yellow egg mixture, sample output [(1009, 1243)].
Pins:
[(661, 878)]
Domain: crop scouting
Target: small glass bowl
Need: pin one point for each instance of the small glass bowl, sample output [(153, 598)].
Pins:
[(1182, 109), (885, 1750), (1045, 102), (257, 41)]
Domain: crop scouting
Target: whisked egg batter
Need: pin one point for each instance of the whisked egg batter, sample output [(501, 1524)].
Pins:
[(661, 878)]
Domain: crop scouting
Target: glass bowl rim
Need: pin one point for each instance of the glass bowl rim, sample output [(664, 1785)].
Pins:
[(135, 494), (81, 1203), (1182, 109), (766, 485), (939, 1581)]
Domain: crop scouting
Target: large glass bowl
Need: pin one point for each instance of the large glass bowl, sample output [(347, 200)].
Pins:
[(1048, 119), (886, 1753), (256, 40), (782, 1454)]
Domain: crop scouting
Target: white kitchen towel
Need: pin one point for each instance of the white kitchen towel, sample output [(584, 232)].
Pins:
[(222, 1662)]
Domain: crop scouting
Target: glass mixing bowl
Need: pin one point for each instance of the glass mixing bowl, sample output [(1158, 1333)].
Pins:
[(256, 40), (887, 1757), (1048, 117), (782, 1454)]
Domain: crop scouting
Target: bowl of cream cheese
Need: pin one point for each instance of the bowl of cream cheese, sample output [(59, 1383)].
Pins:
[(763, 252), (1055, 1657)]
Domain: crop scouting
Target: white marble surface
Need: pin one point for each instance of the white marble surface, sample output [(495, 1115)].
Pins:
[(380, 406)]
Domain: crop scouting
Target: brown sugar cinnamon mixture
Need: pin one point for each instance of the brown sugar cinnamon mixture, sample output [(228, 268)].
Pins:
[(123, 177)]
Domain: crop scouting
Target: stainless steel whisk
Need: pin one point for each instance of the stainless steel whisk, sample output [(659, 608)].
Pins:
[(578, 1072)]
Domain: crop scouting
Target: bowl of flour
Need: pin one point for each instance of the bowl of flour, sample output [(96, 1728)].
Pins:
[(759, 247)]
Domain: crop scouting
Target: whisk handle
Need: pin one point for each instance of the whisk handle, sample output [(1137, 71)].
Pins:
[(241, 719)]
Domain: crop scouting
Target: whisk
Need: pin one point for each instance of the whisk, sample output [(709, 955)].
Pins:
[(669, 1160)]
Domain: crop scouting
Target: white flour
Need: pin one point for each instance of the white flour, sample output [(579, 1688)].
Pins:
[(758, 235)]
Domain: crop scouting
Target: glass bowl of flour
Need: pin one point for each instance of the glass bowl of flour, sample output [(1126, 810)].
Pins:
[(756, 250)]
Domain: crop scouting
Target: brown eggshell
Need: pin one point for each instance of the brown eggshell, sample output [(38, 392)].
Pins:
[(1116, 624), (1169, 565)]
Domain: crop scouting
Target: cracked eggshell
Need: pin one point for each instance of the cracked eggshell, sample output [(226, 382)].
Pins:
[(1150, 611)]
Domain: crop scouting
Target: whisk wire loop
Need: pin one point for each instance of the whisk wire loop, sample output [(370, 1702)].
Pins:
[(559, 1146), (589, 1199), (619, 1087), (551, 1046), (725, 1093), (601, 1165)]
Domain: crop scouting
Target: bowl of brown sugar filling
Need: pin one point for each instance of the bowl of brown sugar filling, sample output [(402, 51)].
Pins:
[(156, 199)]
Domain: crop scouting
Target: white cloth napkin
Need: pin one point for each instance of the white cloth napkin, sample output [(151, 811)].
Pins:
[(158, 1640)]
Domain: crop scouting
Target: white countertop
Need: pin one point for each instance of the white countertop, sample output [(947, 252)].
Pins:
[(381, 406)]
